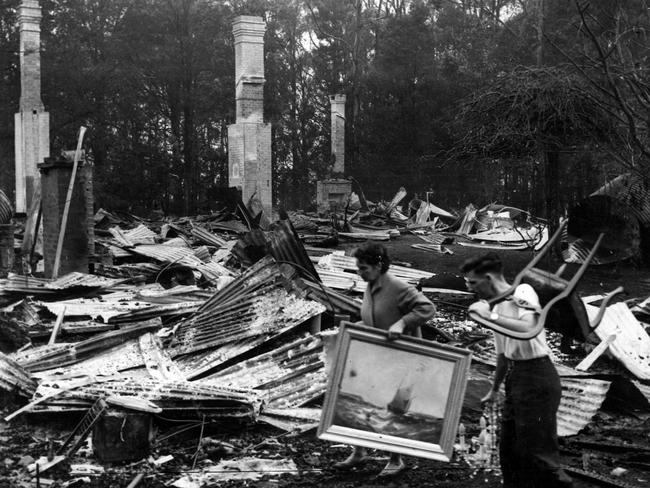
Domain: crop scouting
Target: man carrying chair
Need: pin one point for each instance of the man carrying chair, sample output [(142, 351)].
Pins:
[(528, 444)]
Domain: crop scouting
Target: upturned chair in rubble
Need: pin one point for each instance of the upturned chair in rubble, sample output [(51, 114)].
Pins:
[(558, 298)]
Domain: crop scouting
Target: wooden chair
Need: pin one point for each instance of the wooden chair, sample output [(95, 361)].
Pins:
[(554, 289)]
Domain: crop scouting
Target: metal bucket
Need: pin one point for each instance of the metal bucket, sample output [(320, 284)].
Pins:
[(6, 249)]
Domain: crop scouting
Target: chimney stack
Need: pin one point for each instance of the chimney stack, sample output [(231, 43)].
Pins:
[(32, 123), (337, 104), (249, 139)]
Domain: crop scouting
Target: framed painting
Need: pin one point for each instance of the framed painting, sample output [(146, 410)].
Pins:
[(402, 395)]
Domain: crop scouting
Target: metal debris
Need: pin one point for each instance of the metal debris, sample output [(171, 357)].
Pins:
[(61, 355), (632, 343), (14, 378), (581, 399)]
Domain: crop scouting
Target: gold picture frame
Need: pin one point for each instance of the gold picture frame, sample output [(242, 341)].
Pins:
[(402, 395)]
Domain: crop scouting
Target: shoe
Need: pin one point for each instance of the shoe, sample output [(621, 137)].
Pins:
[(392, 469), (352, 461)]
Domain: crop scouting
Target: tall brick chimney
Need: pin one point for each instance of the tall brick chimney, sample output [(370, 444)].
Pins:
[(249, 139), (32, 123), (337, 107), (333, 193)]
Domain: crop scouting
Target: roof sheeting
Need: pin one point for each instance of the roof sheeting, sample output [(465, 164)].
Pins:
[(14, 378), (168, 254), (340, 261), (581, 399), (168, 395), (632, 344), (632, 190), (75, 279), (289, 376)]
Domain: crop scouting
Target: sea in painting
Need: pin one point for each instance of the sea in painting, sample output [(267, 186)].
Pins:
[(393, 419)]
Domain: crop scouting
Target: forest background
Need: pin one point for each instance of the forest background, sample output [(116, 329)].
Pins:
[(531, 103)]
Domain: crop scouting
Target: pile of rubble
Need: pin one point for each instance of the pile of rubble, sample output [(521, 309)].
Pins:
[(180, 318), (215, 319)]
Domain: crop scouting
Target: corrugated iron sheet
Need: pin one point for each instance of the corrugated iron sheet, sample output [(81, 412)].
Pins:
[(25, 311), (281, 242), (6, 210), (105, 308), (291, 419), (349, 263), (255, 303), (437, 248), (631, 189), (342, 280), (581, 399), (203, 253), (176, 242), (35, 354), (26, 285), (332, 300), (168, 254), (144, 351), (115, 250), (171, 396), (632, 344), (154, 312), (206, 236), (289, 376), (141, 235), (230, 226), (271, 367), (77, 279), (212, 271), (119, 238), (435, 238), (13, 378), (271, 311), (73, 353), (286, 246), (176, 294), (198, 364)]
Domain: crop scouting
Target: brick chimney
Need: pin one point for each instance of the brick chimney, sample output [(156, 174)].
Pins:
[(32, 123), (78, 242), (332, 194), (249, 139), (337, 106)]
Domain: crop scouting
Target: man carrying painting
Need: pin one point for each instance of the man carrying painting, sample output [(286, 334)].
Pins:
[(528, 442)]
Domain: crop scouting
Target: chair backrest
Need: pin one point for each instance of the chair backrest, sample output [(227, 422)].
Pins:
[(567, 316)]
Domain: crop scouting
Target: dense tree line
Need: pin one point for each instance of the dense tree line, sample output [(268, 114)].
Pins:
[(533, 103)]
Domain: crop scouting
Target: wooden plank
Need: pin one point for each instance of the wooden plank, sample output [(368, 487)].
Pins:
[(586, 363), (57, 326), (66, 208)]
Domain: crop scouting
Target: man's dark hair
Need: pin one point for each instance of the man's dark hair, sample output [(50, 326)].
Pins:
[(488, 263), (373, 253)]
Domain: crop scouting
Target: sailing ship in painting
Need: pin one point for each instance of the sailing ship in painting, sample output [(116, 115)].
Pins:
[(402, 400), (395, 418)]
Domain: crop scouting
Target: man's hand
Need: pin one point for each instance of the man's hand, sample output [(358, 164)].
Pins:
[(491, 397), (396, 330), (481, 308)]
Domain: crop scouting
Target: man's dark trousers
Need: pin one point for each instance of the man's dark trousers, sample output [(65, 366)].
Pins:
[(528, 444)]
